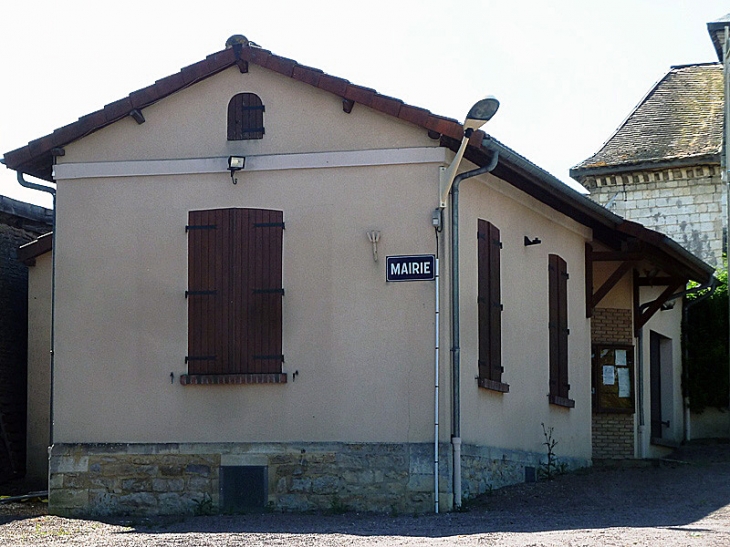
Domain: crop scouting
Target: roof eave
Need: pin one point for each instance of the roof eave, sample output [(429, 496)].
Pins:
[(608, 228), (579, 173)]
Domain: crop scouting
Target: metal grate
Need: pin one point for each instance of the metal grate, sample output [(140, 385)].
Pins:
[(243, 488)]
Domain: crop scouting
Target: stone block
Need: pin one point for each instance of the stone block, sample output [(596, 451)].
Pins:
[(301, 484), (325, 485), (106, 483), (136, 485), (420, 483), (198, 484), (169, 470), (137, 501), (69, 464), (55, 481), (175, 504), (168, 485), (66, 497), (75, 481), (293, 502), (198, 469)]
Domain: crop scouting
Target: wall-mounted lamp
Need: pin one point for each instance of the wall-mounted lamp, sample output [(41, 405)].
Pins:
[(529, 241), (236, 163), (478, 115), (374, 237)]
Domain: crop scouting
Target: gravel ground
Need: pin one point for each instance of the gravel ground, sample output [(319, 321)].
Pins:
[(684, 501)]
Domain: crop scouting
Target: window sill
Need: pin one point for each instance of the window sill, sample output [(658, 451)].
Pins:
[(493, 385), (231, 379), (561, 401)]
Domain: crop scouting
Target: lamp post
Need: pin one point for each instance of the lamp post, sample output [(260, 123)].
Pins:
[(478, 115), (726, 143)]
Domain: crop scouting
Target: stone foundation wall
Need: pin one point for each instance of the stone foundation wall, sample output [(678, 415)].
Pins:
[(153, 479), (149, 479), (485, 469)]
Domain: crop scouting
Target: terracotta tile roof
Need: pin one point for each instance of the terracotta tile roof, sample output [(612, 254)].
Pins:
[(36, 158), (680, 119), (717, 33)]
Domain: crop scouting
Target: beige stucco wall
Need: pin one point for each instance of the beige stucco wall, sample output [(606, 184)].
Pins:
[(514, 419), (298, 118), (39, 370), (363, 348), (667, 323), (122, 321)]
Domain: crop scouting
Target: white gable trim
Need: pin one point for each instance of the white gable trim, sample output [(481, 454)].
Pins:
[(316, 160)]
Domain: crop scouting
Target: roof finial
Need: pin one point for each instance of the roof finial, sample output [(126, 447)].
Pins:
[(237, 39)]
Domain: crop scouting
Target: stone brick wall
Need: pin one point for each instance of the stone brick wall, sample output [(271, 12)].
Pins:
[(613, 434), (688, 204), (486, 468), (148, 479)]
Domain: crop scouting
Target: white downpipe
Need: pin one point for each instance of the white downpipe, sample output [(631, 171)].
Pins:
[(436, 399), (640, 395)]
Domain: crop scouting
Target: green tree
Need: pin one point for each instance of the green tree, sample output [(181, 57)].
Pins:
[(705, 363)]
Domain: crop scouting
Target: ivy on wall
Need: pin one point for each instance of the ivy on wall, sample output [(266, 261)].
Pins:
[(705, 377)]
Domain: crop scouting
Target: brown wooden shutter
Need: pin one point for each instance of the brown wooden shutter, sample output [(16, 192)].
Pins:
[(257, 286), (245, 117), (489, 301), (207, 287), (558, 326), (235, 292)]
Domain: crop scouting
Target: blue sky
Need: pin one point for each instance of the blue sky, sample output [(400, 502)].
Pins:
[(567, 72)]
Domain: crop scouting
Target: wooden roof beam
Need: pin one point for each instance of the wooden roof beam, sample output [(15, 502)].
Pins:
[(641, 318)]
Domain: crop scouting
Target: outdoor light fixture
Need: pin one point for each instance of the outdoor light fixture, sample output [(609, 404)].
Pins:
[(529, 241), (236, 163), (478, 115)]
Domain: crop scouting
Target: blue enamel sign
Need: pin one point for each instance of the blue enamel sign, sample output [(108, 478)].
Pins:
[(410, 268)]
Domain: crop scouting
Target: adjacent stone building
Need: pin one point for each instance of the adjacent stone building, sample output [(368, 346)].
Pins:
[(19, 223), (662, 165)]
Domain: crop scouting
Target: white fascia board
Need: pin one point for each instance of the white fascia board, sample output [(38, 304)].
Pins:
[(196, 166)]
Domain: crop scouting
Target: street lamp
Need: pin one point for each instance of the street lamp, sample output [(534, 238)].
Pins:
[(478, 115)]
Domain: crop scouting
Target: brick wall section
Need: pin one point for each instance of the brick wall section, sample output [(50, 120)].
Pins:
[(613, 434), (612, 326), (688, 204)]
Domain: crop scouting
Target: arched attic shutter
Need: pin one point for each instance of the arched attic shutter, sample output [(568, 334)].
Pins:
[(245, 117)]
